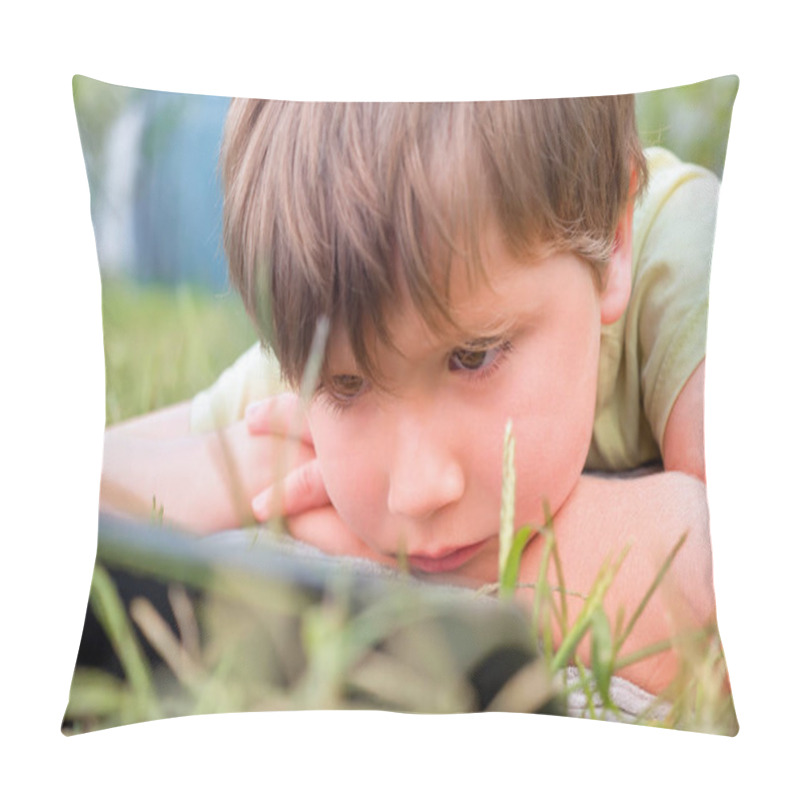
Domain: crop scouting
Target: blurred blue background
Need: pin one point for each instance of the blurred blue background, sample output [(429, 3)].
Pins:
[(156, 201), (151, 159)]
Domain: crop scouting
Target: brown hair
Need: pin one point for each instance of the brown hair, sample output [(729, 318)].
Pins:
[(332, 209)]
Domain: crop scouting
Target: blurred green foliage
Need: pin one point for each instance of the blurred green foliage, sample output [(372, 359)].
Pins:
[(693, 121), (97, 107), (163, 345)]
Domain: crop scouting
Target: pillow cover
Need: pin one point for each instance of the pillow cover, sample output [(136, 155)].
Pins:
[(248, 618)]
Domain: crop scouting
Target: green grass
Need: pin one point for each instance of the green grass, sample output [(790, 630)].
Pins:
[(252, 645), (163, 345)]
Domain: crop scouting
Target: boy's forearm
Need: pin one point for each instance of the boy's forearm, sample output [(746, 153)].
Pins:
[(204, 482), (649, 515)]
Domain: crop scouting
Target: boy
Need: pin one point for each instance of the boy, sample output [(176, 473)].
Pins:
[(475, 264)]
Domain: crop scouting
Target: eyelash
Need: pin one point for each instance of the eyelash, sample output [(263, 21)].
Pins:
[(332, 404), (338, 403), (502, 350)]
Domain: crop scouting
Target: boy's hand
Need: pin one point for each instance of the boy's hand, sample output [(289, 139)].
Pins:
[(324, 529), (302, 488), (301, 496)]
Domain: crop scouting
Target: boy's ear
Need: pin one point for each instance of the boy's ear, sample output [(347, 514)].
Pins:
[(616, 289)]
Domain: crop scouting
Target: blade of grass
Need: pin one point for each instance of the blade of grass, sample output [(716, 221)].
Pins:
[(651, 590), (286, 454), (563, 619), (186, 619), (507, 501), (602, 655), (586, 686), (660, 647), (510, 573), (110, 612), (542, 598), (597, 593), (94, 693), (164, 642)]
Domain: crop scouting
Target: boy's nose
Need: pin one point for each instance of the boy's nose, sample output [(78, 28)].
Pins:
[(425, 475)]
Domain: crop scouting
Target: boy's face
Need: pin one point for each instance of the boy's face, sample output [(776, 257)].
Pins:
[(417, 469)]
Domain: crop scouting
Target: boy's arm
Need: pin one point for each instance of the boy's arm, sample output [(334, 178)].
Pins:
[(649, 514), (204, 482), (683, 448)]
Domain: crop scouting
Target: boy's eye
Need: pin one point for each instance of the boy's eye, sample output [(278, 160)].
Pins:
[(471, 359), (339, 392), (346, 387)]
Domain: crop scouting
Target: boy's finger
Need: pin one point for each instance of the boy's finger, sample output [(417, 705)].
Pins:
[(301, 490), (281, 415), (324, 529)]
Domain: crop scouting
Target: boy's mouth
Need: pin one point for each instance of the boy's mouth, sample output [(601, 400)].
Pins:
[(446, 561)]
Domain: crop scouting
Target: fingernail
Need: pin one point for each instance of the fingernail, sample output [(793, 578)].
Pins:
[(261, 505)]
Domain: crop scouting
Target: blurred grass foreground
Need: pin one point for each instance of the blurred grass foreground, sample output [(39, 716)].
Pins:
[(258, 622), (178, 626)]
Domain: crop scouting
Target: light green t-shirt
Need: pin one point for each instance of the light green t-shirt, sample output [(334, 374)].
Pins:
[(648, 354), (646, 357)]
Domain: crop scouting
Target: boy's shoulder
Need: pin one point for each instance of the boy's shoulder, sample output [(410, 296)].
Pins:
[(676, 190), (650, 352), (673, 222), (253, 376)]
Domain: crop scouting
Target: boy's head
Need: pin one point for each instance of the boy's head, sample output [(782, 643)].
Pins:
[(466, 256), (334, 210)]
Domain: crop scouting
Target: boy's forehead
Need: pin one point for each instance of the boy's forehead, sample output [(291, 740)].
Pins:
[(484, 300), (481, 305)]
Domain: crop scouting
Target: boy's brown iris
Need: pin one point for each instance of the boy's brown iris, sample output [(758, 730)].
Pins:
[(346, 386), (470, 359)]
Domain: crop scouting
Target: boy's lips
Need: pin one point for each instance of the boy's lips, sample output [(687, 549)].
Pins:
[(447, 561)]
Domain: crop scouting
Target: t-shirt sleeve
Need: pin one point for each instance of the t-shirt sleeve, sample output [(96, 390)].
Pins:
[(672, 291), (253, 376), (649, 354)]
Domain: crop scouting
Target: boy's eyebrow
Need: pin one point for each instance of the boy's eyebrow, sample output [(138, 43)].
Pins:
[(476, 335)]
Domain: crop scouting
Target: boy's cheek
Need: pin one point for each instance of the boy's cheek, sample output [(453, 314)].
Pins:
[(359, 504), (547, 471), (352, 479)]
